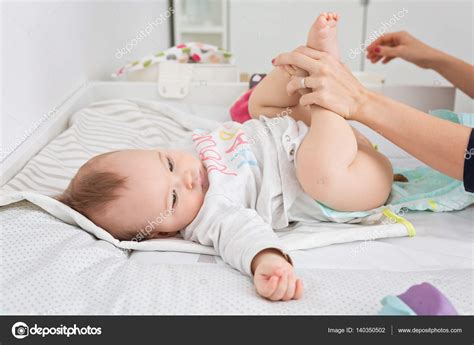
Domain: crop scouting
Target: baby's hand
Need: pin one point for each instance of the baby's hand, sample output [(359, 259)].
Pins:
[(274, 277)]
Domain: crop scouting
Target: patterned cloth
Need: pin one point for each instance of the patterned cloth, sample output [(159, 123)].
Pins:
[(192, 52)]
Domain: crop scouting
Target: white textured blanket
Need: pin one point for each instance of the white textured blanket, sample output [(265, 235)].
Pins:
[(121, 124)]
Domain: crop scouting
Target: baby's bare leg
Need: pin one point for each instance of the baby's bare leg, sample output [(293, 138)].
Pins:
[(270, 98), (333, 169)]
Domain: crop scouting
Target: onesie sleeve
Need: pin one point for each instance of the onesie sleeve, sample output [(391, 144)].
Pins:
[(468, 176), (235, 232)]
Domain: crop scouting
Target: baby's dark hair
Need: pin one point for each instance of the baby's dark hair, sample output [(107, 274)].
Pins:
[(92, 189)]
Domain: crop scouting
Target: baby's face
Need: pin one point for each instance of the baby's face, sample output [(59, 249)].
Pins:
[(164, 187)]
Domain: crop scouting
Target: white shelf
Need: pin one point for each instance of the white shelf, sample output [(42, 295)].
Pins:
[(204, 21), (202, 29)]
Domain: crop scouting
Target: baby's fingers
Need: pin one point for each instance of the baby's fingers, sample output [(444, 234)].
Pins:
[(281, 289), (269, 287), (299, 289), (291, 288)]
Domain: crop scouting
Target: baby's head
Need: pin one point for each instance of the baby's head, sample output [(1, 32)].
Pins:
[(139, 194)]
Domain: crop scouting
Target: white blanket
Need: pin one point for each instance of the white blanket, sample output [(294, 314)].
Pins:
[(121, 124)]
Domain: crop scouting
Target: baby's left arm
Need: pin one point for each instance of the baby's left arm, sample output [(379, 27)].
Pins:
[(237, 233)]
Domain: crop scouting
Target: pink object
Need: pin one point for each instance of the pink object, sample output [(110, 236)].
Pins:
[(239, 111)]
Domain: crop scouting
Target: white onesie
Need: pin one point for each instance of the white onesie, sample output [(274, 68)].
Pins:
[(247, 197)]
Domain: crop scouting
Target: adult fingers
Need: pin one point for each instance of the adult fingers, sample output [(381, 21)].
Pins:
[(297, 59), (281, 288), (386, 53), (387, 60), (290, 290), (390, 52), (296, 84), (312, 53), (311, 98), (288, 69), (374, 58), (389, 38), (299, 289)]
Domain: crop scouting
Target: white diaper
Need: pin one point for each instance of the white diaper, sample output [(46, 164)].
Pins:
[(292, 138), (304, 208)]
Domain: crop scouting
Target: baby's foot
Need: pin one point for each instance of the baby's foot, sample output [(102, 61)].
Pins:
[(323, 34)]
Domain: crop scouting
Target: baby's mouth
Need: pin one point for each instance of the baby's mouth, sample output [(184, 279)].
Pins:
[(204, 180)]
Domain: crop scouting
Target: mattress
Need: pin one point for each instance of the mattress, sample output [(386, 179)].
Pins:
[(56, 268)]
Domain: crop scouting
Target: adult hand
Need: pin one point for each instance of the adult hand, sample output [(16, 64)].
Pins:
[(332, 83), (403, 45)]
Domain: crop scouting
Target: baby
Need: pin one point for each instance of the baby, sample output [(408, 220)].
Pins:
[(241, 182)]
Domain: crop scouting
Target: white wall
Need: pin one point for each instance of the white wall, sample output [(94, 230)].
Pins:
[(50, 48), (259, 30)]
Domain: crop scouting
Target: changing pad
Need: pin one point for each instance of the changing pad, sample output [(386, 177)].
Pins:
[(54, 268), (122, 124)]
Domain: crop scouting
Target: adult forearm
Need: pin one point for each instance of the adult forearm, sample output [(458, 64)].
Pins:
[(438, 143), (458, 72)]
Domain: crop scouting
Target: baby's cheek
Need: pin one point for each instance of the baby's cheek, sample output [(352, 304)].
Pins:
[(196, 205)]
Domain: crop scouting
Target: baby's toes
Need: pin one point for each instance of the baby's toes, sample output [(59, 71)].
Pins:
[(332, 21), (334, 16), (322, 21)]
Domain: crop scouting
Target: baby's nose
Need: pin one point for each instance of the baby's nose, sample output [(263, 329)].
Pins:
[(189, 179)]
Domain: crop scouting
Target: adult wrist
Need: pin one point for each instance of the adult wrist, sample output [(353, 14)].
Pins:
[(437, 60), (365, 101)]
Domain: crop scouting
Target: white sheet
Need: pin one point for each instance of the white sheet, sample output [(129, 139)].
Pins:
[(56, 268)]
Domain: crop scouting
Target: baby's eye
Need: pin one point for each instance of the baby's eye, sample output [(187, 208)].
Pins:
[(175, 199), (170, 165)]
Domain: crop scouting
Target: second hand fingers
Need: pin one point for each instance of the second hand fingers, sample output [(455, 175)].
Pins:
[(294, 85), (310, 98)]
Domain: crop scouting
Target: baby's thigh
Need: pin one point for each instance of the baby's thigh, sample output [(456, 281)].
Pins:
[(364, 185)]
